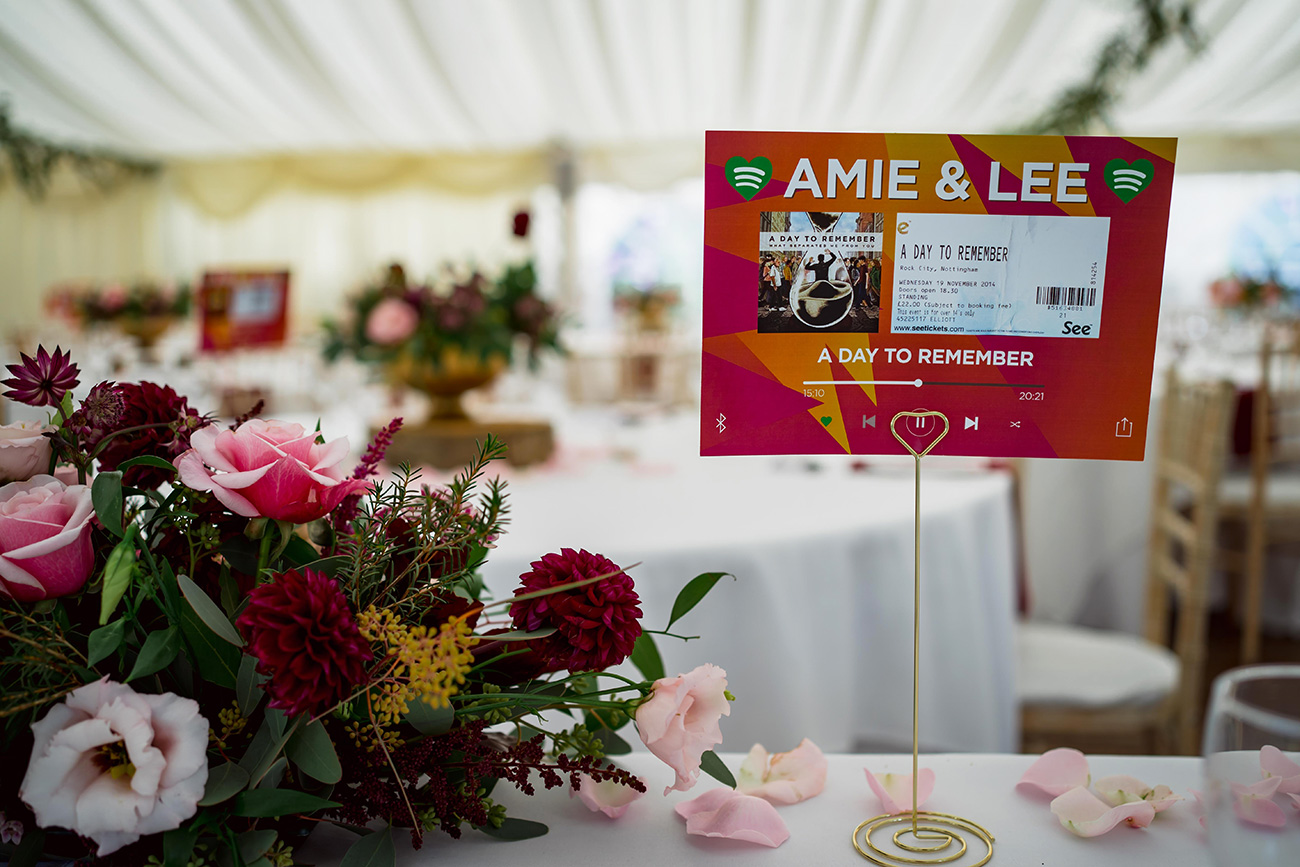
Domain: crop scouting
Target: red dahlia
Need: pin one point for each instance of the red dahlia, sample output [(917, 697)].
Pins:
[(166, 421), (305, 639), (595, 625)]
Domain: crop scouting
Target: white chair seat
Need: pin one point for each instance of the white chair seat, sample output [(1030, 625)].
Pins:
[(1283, 488), (1088, 668)]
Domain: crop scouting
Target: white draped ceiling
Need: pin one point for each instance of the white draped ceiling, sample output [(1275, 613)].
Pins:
[(243, 77)]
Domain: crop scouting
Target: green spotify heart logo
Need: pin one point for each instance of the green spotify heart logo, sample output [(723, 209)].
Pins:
[(1126, 180), (826, 421), (747, 177)]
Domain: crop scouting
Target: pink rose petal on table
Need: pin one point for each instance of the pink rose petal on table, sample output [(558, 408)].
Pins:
[(1254, 805), (1085, 815), (1123, 789), (1295, 800), (1057, 771), (608, 797), (783, 778), (895, 790), (1275, 763), (1200, 806), (735, 816)]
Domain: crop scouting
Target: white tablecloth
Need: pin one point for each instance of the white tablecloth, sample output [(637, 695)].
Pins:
[(980, 788), (815, 633)]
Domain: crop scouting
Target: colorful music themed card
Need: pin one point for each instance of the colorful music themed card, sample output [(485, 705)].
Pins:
[(1009, 282)]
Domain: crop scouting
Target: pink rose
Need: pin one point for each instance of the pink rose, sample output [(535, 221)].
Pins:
[(679, 722), (269, 469), (44, 538), (24, 451), (114, 765), (391, 321)]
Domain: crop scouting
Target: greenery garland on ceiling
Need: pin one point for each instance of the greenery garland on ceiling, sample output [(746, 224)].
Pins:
[(32, 160), (1126, 54)]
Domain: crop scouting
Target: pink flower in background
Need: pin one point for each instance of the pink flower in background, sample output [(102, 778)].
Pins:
[(679, 722), (114, 765), (783, 778), (24, 450), (45, 546), (735, 816), (391, 321), (609, 797), (113, 298), (895, 790), (1085, 815), (269, 469)]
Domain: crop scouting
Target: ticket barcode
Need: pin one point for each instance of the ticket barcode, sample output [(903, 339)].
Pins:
[(1070, 296)]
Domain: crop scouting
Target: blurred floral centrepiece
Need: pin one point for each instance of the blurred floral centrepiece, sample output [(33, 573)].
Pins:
[(217, 637), (449, 335)]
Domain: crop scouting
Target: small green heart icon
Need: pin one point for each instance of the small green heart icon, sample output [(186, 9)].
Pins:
[(826, 421), (1126, 181), (747, 177)]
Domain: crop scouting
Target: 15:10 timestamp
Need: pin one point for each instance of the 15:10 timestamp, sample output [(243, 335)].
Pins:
[(814, 392)]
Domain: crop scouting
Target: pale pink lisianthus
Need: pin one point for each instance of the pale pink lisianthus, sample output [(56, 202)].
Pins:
[(1275, 763), (45, 548), (607, 797), (679, 722), (269, 469), (1253, 804), (783, 778), (24, 450), (114, 765), (391, 321)]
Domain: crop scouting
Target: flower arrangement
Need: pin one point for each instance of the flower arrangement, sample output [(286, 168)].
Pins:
[(1248, 293), (461, 317), (647, 308), (114, 303), (214, 638)]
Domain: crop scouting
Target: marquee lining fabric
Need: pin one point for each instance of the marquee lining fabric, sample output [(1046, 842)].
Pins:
[(228, 78)]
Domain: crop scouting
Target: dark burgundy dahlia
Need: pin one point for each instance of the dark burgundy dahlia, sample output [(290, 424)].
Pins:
[(166, 421), (595, 625), (305, 638)]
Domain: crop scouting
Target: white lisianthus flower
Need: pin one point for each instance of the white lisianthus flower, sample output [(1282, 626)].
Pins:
[(114, 765)]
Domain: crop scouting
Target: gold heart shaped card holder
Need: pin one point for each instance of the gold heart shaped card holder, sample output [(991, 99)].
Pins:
[(930, 838)]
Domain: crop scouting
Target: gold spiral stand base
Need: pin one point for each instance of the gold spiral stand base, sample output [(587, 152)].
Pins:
[(928, 836), (932, 836)]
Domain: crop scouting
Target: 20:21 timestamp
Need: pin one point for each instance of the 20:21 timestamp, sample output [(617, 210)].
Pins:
[(1033, 395)]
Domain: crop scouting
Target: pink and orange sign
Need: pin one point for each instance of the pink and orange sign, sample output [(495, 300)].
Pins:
[(1009, 282)]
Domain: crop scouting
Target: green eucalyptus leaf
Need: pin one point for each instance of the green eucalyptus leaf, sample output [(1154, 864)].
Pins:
[(159, 649), (313, 752), (268, 803), (375, 849), (515, 829), (714, 767), (105, 641), (211, 615), (216, 659), (517, 635), (429, 720), (695, 590), (28, 853), (248, 685), (645, 656), (106, 494), (612, 743), (224, 782), (147, 461), (178, 845), (254, 844), (118, 572)]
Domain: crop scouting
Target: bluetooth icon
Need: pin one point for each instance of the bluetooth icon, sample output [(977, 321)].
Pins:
[(722, 422)]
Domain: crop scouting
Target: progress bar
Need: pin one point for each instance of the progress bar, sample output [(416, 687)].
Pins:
[(916, 383)]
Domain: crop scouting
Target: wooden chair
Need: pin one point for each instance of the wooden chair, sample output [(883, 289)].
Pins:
[(1265, 500), (1077, 683)]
